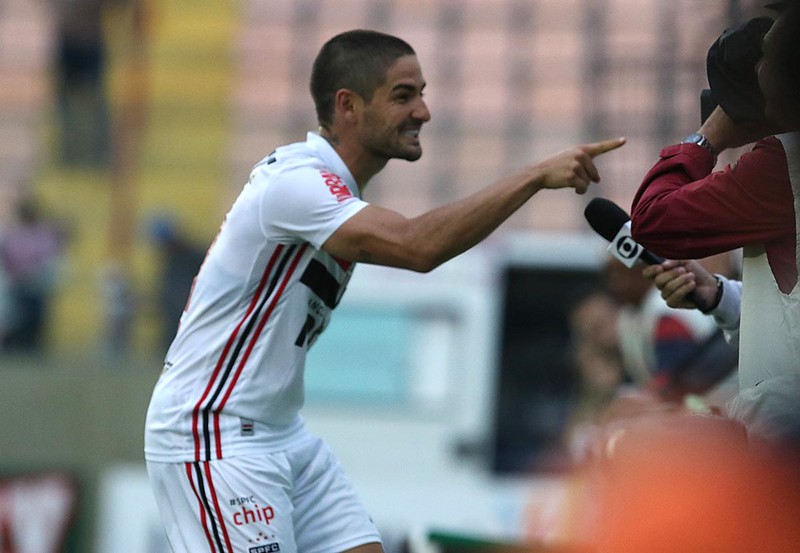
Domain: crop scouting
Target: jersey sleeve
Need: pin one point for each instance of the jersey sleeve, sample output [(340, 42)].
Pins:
[(306, 203)]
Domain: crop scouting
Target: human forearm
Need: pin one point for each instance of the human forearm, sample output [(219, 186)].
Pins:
[(682, 211), (454, 228), (672, 211), (384, 237), (723, 133), (447, 231)]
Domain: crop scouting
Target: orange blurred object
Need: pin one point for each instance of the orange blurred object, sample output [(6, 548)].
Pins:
[(684, 483)]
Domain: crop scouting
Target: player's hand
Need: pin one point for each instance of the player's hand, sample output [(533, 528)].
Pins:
[(575, 168), (677, 279)]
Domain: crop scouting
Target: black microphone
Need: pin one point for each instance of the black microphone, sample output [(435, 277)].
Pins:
[(608, 219)]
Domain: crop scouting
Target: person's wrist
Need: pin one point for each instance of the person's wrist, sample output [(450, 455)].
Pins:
[(701, 140), (536, 178), (720, 130), (717, 297)]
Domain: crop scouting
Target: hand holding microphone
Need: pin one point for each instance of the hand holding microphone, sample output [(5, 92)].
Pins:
[(682, 283), (678, 280)]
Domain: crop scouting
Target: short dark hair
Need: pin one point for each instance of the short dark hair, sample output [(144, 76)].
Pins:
[(356, 60)]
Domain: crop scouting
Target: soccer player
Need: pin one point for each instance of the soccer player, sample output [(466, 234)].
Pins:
[(232, 466)]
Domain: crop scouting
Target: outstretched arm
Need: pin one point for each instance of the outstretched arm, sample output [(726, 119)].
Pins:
[(384, 237)]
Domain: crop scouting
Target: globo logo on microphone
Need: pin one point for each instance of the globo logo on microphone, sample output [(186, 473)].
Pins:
[(624, 248), (627, 248)]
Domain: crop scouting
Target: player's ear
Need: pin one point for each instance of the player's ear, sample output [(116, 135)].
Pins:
[(348, 104)]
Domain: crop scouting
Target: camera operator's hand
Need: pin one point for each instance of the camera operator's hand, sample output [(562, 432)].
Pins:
[(723, 133)]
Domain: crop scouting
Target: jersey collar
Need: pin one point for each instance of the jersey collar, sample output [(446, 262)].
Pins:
[(333, 161)]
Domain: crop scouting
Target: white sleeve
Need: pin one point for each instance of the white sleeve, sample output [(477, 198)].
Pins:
[(727, 313), (306, 203)]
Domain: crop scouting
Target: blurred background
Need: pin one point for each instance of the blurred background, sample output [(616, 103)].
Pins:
[(127, 127)]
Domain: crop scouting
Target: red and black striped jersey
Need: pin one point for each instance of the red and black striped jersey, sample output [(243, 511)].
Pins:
[(233, 376)]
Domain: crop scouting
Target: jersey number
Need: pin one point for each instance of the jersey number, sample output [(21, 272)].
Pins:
[(308, 334)]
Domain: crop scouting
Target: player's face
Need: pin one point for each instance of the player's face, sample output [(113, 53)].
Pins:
[(392, 121)]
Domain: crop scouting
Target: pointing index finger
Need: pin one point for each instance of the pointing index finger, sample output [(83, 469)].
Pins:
[(597, 148)]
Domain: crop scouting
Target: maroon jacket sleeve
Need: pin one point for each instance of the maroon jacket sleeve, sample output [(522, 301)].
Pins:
[(684, 211)]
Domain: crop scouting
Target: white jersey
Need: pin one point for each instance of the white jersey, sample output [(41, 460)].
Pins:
[(233, 377)]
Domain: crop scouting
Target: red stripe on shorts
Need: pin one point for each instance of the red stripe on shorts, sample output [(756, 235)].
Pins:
[(203, 518)]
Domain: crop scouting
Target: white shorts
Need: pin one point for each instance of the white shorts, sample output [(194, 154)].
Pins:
[(297, 500)]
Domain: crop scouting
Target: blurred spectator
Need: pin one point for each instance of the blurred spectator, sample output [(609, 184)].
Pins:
[(80, 83), (119, 309), (31, 251), (597, 361), (180, 262), (82, 53), (563, 512), (5, 302), (8, 199), (661, 345)]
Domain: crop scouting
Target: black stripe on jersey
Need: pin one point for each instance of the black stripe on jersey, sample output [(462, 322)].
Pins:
[(321, 282), (240, 344), (201, 489), (269, 160)]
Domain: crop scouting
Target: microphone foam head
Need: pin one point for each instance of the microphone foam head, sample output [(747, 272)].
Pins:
[(605, 217)]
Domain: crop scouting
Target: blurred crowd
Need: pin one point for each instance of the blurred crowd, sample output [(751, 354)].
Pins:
[(33, 265), (630, 352), (655, 462), (32, 247)]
